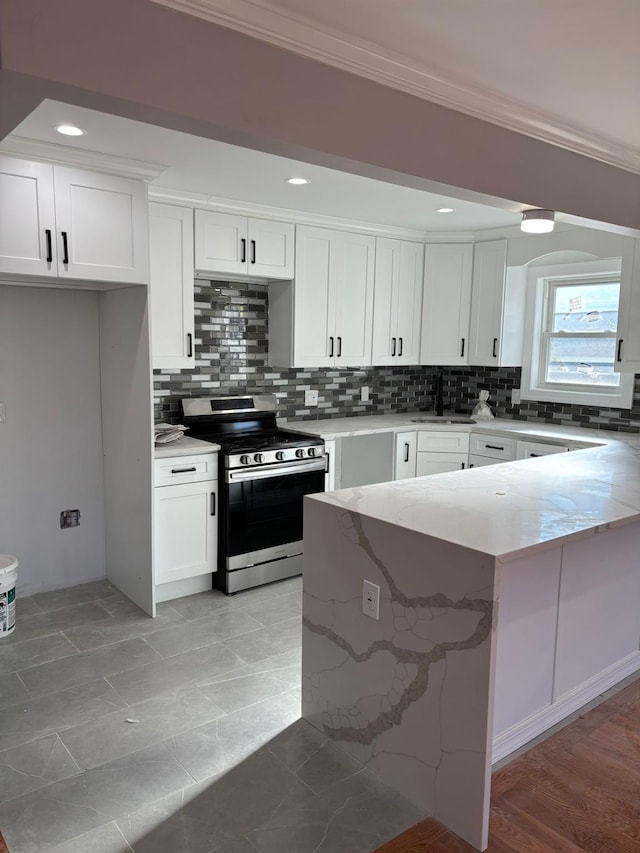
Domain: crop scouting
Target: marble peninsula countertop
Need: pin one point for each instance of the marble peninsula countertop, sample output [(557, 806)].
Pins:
[(509, 509), (185, 446)]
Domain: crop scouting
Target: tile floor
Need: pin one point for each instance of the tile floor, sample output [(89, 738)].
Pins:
[(121, 733)]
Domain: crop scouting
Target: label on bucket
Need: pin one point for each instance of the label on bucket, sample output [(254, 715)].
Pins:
[(7, 610)]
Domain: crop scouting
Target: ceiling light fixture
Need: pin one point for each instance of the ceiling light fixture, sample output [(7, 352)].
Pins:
[(298, 182), (69, 130), (537, 221), (445, 210)]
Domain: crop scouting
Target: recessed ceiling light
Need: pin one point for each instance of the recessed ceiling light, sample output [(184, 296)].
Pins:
[(69, 130), (298, 182), (445, 210)]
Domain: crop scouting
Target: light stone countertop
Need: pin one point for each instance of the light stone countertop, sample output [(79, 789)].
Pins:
[(185, 446), (512, 508)]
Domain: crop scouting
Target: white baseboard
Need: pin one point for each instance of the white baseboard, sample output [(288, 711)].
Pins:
[(513, 738), (178, 589)]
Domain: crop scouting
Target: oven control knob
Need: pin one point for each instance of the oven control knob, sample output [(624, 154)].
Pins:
[(300, 453), (313, 451), (280, 455), (258, 457), (245, 460)]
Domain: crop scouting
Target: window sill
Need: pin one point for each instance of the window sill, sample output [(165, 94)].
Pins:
[(622, 399)]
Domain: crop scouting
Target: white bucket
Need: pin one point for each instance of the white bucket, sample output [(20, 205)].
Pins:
[(8, 580)]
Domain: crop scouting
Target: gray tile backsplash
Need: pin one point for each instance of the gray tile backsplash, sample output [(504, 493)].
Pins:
[(231, 342)]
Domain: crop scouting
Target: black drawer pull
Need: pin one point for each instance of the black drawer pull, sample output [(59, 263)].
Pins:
[(331, 347), (493, 447), (495, 344), (213, 503), (462, 466), (619, 353), (183, 470), (65, 247), (243, 250), (393, 346), (49, 246), (535, 455), (339, 346), (400, 342), (253, 251), (189, 344), (406, 451), (462, 348)]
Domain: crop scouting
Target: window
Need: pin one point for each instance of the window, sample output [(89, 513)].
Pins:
[(573, 338)]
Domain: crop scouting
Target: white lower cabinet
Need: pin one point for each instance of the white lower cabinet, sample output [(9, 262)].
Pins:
[(494, 448), (330, 465), (405, 455), (533, 449), (441, 451), (185, 519)]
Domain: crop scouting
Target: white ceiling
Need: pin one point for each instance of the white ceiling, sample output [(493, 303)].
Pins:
[(203, 166), (567, 71)]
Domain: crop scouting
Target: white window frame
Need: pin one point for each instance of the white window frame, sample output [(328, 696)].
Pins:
[(533, 382)]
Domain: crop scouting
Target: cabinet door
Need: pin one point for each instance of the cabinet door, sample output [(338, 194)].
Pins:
[(405, 455), (531, 449), (314, 299), (439, 463), (270, 249), (628, 337), (409, 302), (330, 467), (102, 228), (186, 534), (385, 294), (220, 243), (351, 276), (446, 303), (487, 293), (171, 285), (27, 218)]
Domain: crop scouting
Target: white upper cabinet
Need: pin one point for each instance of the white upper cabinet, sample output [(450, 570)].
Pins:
[(171, 286), (497, 308), (324, 318), (446, 303), (397, 300), (240, 246), (628, 337), (62, 222)]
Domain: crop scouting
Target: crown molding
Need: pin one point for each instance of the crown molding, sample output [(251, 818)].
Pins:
[(34, 149), (166, 195), (261, 20)]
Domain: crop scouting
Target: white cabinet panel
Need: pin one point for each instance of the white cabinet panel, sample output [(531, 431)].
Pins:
[(314, 300), (477, 461), (185, 531), (27, 218), (397, 300), (496, 446), (438, 463), (599, 612), (176, 470), (271, 248), (532, 449), (330, 465), (405, 455), (446, 303), (352, 270), (443, 441), (171, 285), (628, 337)]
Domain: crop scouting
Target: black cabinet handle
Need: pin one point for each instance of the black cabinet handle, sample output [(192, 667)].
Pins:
[(493, 447), (495, 344), (49, 246), (331, 347), (189, 344), (339, 346), (471, 465), (406, 451), (213, 503), (243, 250), (65, 247), (462, 348), (253, 251), (183, 470), (535, 455), (462, 466), (400, 350), (393, 346), (327, 463), (619, 352)]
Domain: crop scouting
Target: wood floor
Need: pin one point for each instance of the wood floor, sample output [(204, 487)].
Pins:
[(577, 790)]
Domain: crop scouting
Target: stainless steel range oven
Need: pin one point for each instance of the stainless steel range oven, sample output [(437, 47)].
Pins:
[(265, 472)]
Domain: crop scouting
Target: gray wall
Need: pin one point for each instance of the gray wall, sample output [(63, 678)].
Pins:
[(51, 442)]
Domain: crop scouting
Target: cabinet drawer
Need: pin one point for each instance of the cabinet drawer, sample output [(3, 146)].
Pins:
[(439, 463), (495, 446), (185, 469), (531, 449), (444, 441)]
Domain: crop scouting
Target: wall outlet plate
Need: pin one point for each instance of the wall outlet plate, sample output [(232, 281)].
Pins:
[(515, 396), (311, 398), (69, 518), (364, 394), (371, 599)]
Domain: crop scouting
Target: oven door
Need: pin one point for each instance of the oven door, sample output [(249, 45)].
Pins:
[(264, 511)]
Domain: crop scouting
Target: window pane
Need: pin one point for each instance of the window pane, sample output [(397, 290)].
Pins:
[(585, 308), (582, 360)]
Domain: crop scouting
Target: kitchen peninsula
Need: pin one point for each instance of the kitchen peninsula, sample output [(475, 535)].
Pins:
[(508, 599)]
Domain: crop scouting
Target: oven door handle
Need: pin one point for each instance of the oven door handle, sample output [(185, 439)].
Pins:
[(264, 474)]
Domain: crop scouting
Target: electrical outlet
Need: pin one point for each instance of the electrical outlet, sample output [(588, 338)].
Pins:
[(364, 394), (311, 398), (515, 396), (371, 599), (69, 518)]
